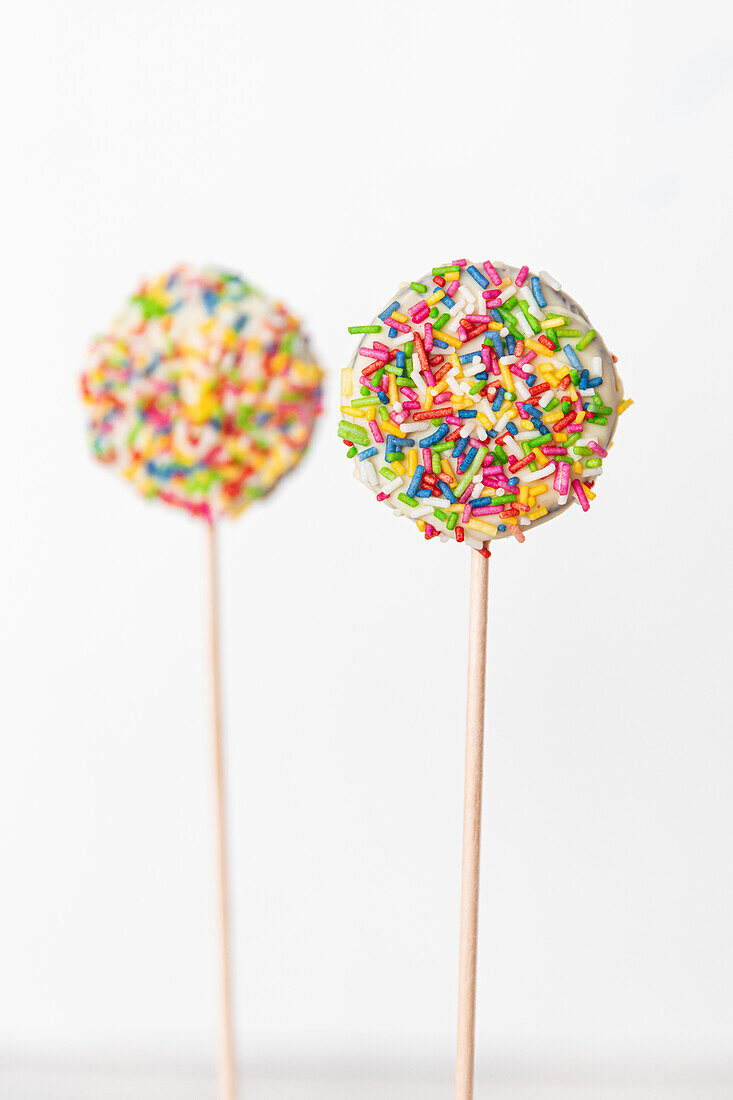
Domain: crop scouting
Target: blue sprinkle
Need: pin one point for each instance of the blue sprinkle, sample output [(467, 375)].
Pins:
[(498, 400), (469, 358), (537, 292), (389, 311), (437, 435), (400, 361), (513, 481), (512, 428), (467, 414), (482, 374), (583, 380), (446, 300), (477, 276), (414, 485), (460, 446), (572, 357), (392, 333), (593, 382), (367, 453), (502, 527), (498, 346), (439, 343), (496, 316), (210, 299), (239, 324), (467, 460), (383, 397), (395, 444), (445, 490), (424, 493), (492, 434), (511, 343), (531, 379)]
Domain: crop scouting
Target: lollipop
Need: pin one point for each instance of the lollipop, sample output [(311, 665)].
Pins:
[(479, 403), (204, 393)]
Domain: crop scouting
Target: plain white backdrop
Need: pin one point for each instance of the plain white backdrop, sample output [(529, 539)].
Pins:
[(330, 151)]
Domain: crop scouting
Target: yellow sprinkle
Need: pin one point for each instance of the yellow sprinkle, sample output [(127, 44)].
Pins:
[(412, 461), (391, 428), (506, 379), (435, 297), (577, 467), (452, 340), (398, 466), (589, 493), (624, 405), (401, 317), (561, 437), (348, 411), (524, 495), (556, 322), (445, 467), (533, 345), (420, 525), (496, 326), (542, 460), (440, 388), (505, 407), (393, 397), (572, 392), (479, 525), (526, 424), (553, 417), (428, 401), (537, 490), (511, 520), (455, 361), (537, 513), (485, 421), (503, 283)]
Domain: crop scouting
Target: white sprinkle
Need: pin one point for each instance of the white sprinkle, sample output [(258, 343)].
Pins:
[(527, 475), (475, 544), (546, 398), (550, 280)]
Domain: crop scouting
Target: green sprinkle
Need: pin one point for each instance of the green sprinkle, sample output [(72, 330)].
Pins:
[(364, 402), (354, 329), (551, 405), (386, 472), (392, 368), (407, 500), (603, 410), (452, 520), (585, 340), (382, 413), (441, 322), (419, 288), (556, 317), (436, 421), (567, 332), (511, 302), (501, 453), (377, 377), (440, 514), (433, 311), (364, 391), (540, 439), (408, 349), (405, 381), (565, 406), (594, 463), (582, 451), (532, 320), (351, 452), (532, 467), (394, 456), (354, 433), (508, 499), (470, 472), (438, 448), (476, 387), (574, 376), (436, 463), (446, 270)]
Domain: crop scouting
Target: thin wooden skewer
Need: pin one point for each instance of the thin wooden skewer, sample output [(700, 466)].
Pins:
[(472, 827), (227, 1066)]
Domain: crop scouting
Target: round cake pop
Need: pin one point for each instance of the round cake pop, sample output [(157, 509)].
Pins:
[(203, 392), (480, 402)]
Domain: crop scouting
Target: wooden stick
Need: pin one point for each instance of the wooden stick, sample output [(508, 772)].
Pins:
[(227, 1067), (472, 827)]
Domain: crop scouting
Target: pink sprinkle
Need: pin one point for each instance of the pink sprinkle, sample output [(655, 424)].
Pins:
[(419, 312), (429, 530), (491, 468), (522, 276), (580, 494), (476, 318), (399, 417), (517, 370), (418, 306), (382, 347), (454, 420), (466, 495), (374, 429), (381, 496), (427, 458), (526, 358), (548, 449), (486, 357), (488, 509), (409, 394), (492, 273), (518, 534), (466, 514), (495, 368), (462, 334), (452, 288), (459, 263), (598, 449), (428, 337), (399, 325), (375, 353), (491, 295), (429, 377), (562, 479), (410, 404)]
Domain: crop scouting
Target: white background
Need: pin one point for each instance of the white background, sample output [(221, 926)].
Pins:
[(330, 151)]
